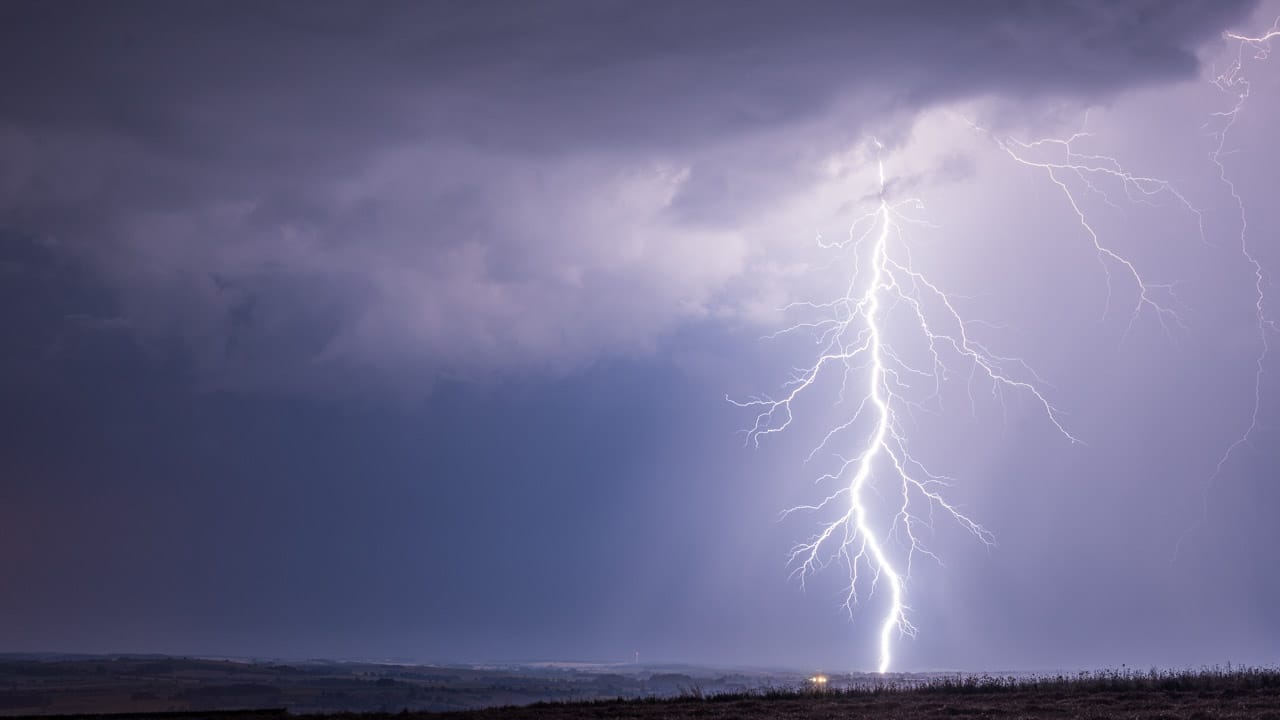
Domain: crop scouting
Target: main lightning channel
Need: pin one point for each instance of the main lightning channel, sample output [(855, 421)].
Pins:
[(855, 335), (895, 618)]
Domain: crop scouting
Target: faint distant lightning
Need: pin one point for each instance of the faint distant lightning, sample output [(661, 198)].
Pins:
[(1233, 82), (1061, 162), (854, 336)]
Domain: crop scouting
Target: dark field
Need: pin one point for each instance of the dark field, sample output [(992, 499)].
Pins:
[(1217, 693), (45, 685), (1245, 694)]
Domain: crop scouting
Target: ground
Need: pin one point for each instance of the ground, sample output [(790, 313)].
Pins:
[(189, 689)]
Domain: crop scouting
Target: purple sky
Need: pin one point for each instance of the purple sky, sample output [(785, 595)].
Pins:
[(405, 330)]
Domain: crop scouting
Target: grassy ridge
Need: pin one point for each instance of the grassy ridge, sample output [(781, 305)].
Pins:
[(1219, 693), (1215, 679), (1226, 693)]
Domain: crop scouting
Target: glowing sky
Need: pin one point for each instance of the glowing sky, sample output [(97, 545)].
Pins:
[(406, 331)]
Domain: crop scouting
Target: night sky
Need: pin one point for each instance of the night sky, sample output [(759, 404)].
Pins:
[(405, 330)]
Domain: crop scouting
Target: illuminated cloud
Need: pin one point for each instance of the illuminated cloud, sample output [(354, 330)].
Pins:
[(395, 193)]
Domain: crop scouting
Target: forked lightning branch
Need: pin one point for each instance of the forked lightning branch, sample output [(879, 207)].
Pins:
[(888, 345), (859, 345)]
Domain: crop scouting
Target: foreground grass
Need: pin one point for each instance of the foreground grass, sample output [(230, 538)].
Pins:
[(1228, 693), (1215, 693)]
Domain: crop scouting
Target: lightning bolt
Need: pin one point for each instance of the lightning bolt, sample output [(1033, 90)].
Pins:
[(858, 346), (1234, 83), (854, 336)]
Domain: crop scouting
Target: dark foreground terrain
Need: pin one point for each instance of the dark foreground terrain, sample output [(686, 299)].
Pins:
[(1249, 694), (69, 685), (1218, 693)]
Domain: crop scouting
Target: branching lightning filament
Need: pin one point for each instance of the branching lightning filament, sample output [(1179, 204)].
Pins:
[(1063, 163), (890, 305), (899, 337), (1233, 82)]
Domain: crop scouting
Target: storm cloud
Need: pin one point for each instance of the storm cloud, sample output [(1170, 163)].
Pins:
[(390, 193)]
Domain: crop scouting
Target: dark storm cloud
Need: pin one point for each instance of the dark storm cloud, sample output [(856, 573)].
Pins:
[(196, 75), (413, 188)]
